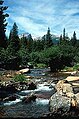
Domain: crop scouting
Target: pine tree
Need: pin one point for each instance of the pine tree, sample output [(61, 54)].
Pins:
[(14, 40), (14, 32), (29, 42), (64, 34), (74, 39), (60, 39), (13, 48), (23, 41), (48, 38), (3, 24)]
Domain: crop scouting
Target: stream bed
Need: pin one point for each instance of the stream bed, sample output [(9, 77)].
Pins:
[(45, 88)]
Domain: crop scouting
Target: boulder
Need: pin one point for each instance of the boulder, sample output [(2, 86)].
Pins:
[(10, 98), (29, 65), (9, 76), (3, 94), (11, 88), (43, 96), (22, 71), (57, 102), (72, 78), (29, 77), (62, 103), (29, 98), (65, 99), (74, 102), (23, 83), (59, 85), (70, 94), (32, 86), (77, 98), (6, 89), (74, 73), (63, 88), (67, 88)]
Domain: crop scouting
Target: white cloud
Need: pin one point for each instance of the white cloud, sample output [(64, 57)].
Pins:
[(35, 16), (28, 25)]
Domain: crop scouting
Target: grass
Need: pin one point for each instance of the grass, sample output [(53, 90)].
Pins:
[(19, 77), (41, 65), (68, 69), (74, 68)]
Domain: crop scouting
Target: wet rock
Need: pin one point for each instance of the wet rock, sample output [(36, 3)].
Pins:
[(23, 83), (32, 86), (22, 71), (52, 86), (29, 77), (43, 96), (29, 98), (11, 89), (7, 89), (10, 98), (21, 86), (3, 94), (30, 65)]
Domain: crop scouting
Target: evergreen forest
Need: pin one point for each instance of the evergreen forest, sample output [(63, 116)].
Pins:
[(47, 51)]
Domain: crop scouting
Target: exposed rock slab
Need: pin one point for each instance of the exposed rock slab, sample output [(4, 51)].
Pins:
[(22, 71), (57, 101), (67, 95), (72, 78), (63, 87)]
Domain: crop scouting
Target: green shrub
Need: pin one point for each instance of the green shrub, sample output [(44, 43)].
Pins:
[(41, 65), (68, 68), (19, 77), (76, 67)]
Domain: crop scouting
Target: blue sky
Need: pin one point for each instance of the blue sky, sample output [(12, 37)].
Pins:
[(35, 16)]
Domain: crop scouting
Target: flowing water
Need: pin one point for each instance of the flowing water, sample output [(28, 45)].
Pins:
[(45, 88)]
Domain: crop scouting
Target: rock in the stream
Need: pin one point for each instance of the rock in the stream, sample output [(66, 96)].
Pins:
[(57, 101), (72, 78), (29, 98), (10, 98), (32, 86), (22, 71), (11, 89), (29, 65), (7, 89), (3, 94), (77, 98), (65, 98), (63, 88), (29, 77)]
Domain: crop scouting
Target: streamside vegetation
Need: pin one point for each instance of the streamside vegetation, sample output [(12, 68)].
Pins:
[(48, 51)]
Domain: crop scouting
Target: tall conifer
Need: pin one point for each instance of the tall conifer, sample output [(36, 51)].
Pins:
[(3, 24)]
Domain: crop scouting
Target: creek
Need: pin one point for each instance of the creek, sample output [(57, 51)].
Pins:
[(45, 82)]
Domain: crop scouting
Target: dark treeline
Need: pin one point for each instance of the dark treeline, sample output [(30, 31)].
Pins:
[(17, 51)]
